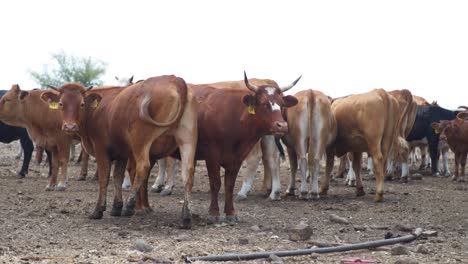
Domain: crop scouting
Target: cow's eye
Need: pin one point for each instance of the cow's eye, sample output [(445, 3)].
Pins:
[(60, 104), (82, 105)]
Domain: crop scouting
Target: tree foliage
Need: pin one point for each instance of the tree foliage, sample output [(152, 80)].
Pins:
[(67, 68)]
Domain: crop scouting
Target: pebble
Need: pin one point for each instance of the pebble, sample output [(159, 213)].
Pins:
[(275, 259), (337, 219), (255, 228), (143, 246), (429, 233), (403, 227), (421, 249), (416, 176), (399, 250), (300, 232), (243, 241)]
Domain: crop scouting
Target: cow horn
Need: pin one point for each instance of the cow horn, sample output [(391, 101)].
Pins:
[(251, 87), (463, 107), (89, 88), (52, 87), (462, 115), (285, 88)]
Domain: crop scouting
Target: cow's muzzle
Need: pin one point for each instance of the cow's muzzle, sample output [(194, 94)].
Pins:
[(70, 127), (280, 128)]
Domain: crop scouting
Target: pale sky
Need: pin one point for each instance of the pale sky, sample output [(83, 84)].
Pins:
[(340, 47)]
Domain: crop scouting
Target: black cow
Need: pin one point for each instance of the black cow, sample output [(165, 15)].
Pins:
[(11, 133), (425, 116)]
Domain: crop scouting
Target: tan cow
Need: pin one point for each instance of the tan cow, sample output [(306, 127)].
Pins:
[(26, 109), (365, 123), (312, 127)]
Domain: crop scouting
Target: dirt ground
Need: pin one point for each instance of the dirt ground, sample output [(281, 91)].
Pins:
[(53, 227)]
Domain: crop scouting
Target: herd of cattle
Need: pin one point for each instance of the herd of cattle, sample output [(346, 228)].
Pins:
[(133, 125)]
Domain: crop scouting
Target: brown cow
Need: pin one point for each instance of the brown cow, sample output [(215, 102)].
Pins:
[(26, 109), (365, 123), (312, 127), (455, 133), (228, 131), (142, 123)]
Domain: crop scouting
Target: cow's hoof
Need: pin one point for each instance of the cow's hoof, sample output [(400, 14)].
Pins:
[(378, 197), (303, 195), (232, 219), (166, 192), (128, 211), (404, 179), (96, 214), (291, 192), (186, 223), (116, 209), (60, 187), (323, 191), (388, 178), (157, 189), (454, 178), (81, 178), (461, 180), (352, 183), (214, 219), (275, 196), (50, 188), (241, 197), (360, 192), (20, 175), (436, 174), (314, 196)]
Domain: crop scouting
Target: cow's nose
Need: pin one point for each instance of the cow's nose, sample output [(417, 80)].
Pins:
[(70, 127), (281, 126)]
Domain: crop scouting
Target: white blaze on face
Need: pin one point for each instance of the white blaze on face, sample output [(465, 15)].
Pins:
[(274, 106)]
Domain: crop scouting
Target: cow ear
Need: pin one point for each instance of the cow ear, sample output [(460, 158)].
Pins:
[(289, 101), (22, 95), (436, 127), (92, 100), (249, 100), (50, 98)]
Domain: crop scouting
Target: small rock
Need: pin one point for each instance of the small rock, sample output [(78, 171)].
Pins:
[(299, 232), (399, 250), (406, 261), (314, 256), (337, 219), (275, 259), (255, 228), (403, 227), (429, 233), (360, 228), (143, 246), (243, 241), (64, 211), (20, 193), (421, 249), (416, 176), (379, 227)]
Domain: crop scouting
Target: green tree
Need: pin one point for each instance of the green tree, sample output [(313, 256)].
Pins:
[(67, 68)]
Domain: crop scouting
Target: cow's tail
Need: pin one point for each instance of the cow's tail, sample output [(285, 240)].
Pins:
[(280, 148), (145, 103)]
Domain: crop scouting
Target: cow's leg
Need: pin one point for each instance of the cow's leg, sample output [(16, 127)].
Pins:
[(80, 157), (64, 157), (271, 160), (28, 147), (325, 184), (315, 154), (229, 182), (445, 158), (379, 165), (213, 167), (424, 162), (252, 161), (434, 157), (342, 167), (187, 146), (49, 161), (126, 185), (390, 167), (356, 165), (142, 165), (351, 175), (118, 174), (55, 166), (84, 165), (72, 152), (370, 167), (158, 185), (461, 177), (20, 152), (171, 175), (39, 153), (142, 205), (103, 167), (404, 165), (302, 156), (457, 164), (293, 166)]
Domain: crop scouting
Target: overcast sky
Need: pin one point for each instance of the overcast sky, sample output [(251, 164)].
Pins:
[(340, 47)]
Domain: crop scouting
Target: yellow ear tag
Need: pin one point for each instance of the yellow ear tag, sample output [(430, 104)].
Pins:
[(53, 105), (94, 104), (251, 110), (437, 131)]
